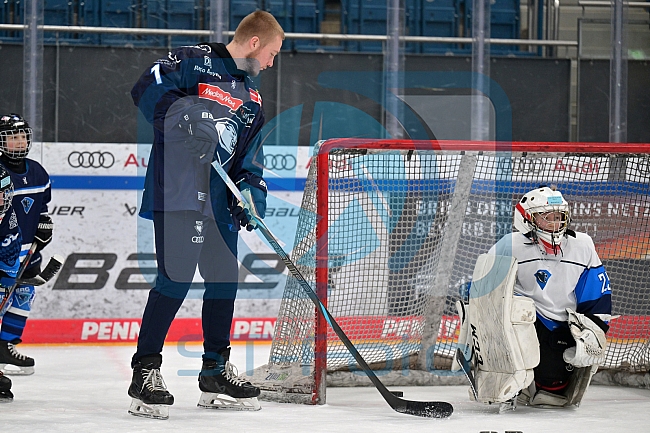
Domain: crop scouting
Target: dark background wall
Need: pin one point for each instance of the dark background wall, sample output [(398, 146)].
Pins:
[(593, 101), (92, 101)]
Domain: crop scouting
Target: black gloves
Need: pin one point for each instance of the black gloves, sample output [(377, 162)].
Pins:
[(198, 122), (240, 219), (43, 234)]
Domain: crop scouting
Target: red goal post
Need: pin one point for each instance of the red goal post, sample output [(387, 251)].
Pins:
[(389, 231)]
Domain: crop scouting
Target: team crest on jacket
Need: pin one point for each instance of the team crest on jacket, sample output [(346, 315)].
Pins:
[(542, 276), (245, 115), (227, 130), (27, 203)]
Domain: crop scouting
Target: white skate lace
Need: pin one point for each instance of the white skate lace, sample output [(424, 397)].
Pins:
[(233, 375), (153, 380), (15, 353)]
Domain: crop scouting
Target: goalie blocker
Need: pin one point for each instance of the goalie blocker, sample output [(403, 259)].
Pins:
[(498, 336)]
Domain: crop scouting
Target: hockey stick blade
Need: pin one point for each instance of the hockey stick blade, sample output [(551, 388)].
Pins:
[(431, 409), (50, 270), (467, 369)]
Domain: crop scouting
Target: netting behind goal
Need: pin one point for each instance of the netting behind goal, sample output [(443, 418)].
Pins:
[(389, 232)]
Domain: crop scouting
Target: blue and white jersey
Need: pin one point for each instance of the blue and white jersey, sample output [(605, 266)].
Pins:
[(32, 194), (575, 278)]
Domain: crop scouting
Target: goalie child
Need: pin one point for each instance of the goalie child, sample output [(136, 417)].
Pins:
[(31, 197), (540, 345), (11, 240)]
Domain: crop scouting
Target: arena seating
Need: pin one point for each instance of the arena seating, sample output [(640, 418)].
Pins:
[(449, 18)]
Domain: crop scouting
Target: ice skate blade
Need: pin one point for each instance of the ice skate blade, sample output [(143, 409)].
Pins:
[(209, 400), (14, 370), (155, 411), (508, 406)]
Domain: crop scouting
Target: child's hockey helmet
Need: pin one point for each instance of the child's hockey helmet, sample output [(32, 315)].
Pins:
[(15, 136), (539, 201)]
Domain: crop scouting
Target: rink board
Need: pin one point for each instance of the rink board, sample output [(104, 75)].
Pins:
[(109, 256)]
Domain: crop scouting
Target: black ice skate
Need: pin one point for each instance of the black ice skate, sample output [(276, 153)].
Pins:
[(222, 389), (5, 389), (148, 390), (13, 362)]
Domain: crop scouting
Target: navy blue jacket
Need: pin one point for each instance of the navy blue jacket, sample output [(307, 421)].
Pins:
[(175, 179), (10, 244), (32, 193)]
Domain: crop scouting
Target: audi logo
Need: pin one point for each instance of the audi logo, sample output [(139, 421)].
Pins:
[(521, 165), (279, 162), (91, 159)]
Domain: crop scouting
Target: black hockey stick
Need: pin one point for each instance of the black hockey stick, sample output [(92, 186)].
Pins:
[(465, 365), (21, 269), (430, 409), (50, 270)]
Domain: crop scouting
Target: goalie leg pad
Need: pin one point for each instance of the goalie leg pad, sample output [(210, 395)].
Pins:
[(502, 330)]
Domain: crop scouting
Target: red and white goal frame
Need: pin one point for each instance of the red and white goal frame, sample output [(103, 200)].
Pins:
[(388, 234)]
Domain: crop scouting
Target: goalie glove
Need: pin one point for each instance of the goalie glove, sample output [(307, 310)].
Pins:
[(43, 235), (591, 342)]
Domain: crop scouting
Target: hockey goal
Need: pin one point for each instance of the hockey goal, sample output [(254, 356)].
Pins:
[(388, 235)]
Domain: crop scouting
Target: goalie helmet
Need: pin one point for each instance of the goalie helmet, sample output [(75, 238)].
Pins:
[(6, 191), (537, 202), (15, 136)]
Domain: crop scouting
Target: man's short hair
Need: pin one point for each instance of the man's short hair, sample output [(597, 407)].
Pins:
[(261, 24)]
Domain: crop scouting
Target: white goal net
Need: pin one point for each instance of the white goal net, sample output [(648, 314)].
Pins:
[(389, 232)]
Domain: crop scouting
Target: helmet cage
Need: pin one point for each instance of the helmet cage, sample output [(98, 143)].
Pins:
[(15, 137), (6, 192), (550, 235), (533, 206)]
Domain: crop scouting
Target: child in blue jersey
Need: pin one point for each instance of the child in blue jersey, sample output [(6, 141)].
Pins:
[(561, 271), (10, 243), (31, 197)]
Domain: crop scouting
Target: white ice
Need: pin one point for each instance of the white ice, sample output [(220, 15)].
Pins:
[(83, 389)]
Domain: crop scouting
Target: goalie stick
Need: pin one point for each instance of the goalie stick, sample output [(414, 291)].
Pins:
[(429, 409), (467, 369)]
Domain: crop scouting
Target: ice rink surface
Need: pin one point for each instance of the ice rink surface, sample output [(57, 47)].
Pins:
[(83, 389)]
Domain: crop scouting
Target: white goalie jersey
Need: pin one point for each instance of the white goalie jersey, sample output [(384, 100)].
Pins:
[(574, 278)]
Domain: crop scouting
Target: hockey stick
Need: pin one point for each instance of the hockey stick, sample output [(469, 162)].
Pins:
[(465, 365), (21, 269), (50, 270), (430, 409)]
